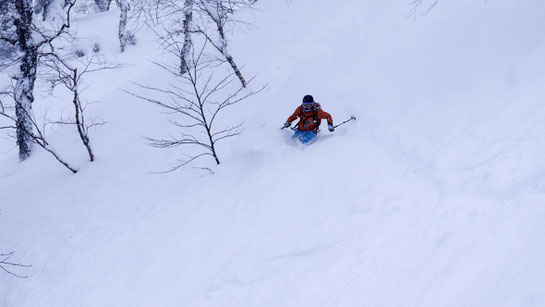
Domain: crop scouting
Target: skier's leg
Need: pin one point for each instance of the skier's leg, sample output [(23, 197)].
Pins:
[(298, 135), (308, 137)]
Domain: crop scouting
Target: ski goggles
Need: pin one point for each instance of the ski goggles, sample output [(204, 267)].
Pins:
[(307, 106)]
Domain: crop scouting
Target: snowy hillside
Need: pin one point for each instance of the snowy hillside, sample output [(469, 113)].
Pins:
[(435, 196)]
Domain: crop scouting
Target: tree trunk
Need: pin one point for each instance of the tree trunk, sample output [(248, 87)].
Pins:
[(124, 9), (80, 121), (221, 45), (188, 19), (26, 77)]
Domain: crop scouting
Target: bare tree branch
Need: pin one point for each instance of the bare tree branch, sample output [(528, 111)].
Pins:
[(197, 99), (30, 40), (71, 76), (35, 132), (49, 39), (417, 4), (5, 264)]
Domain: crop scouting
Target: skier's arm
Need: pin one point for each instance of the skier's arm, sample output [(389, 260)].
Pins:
[(294, 115), (324, 115)]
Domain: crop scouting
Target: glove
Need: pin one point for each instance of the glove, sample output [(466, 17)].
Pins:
[(287, 124), (330, 127)]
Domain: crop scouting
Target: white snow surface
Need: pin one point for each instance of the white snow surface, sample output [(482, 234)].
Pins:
[(435, 196)]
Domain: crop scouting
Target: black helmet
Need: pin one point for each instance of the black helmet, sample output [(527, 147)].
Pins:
[(308, 98), (308, 103)]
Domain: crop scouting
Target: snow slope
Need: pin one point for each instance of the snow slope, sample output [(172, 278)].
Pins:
[(435, 196)]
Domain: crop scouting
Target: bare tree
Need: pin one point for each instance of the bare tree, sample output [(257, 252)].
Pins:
[(170, 19), (58, 66), (35, 133), (70, 73), (206, 18), (198, 99), (7, 266), (29, 39), (219, 11)]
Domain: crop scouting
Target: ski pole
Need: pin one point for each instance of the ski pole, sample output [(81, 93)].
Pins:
[(346, 121), (292, 128)]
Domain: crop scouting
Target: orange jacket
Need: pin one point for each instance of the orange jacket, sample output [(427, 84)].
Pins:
[(310, 121)]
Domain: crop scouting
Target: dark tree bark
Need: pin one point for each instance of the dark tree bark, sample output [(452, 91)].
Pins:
[(25, 77), (103, 5)]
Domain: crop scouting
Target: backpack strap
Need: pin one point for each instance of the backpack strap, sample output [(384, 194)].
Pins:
[(315, 108), (303, 118), (314, 115)]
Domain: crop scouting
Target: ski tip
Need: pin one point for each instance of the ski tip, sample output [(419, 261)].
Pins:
[(353, 117)]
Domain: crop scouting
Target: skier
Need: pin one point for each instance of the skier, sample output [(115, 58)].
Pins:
[(311, 115)]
